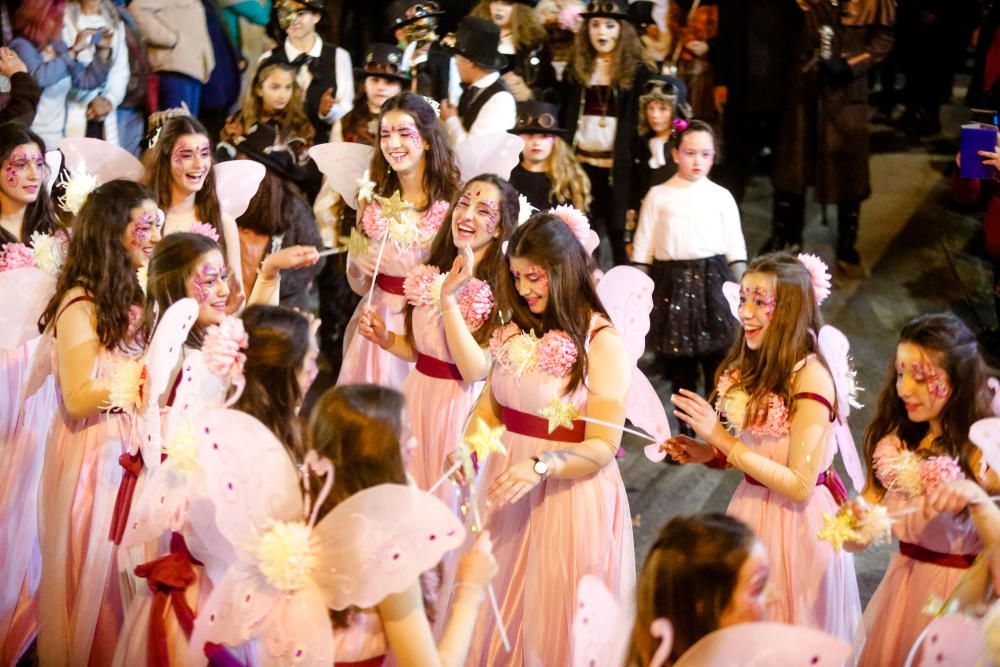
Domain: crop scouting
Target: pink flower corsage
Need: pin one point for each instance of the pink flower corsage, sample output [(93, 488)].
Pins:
[(431, 219), (417, 286), (680, 125), (938, 470), (819, 274), (205, 229), (222, 347), (884, 459), (500, 336), (16, 256), (475, 301), (557, 354), (373, 223)]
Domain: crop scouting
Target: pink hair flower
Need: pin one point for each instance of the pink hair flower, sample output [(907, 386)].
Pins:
[(222, 348), (475, 301), (575, 219), (417, 286), (680, 125), (938, 470), (205, 230), (16, 256), (557, 354), (819, 274)]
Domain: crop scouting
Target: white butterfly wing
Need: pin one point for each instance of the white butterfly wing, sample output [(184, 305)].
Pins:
[(496, 153), (297, 631), (19, 317), (985, 434), (160, 506), (103, 160), (379, 540), (236, 183), (601, 627), (343, 164), (953, 640), (766, 644)]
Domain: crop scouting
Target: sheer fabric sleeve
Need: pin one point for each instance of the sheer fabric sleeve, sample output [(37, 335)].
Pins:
[(78, 349)]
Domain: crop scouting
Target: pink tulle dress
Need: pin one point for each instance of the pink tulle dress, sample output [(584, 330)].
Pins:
[(24, 425), (407, 246), (810, 583), (560, 531), (939, 550), (80, 595)]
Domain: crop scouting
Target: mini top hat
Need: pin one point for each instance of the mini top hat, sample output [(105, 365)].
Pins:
[(662, 85), (537, 118), (405, 12), (264, 144), (383, 61), (641, 13), (310, 5), (612, 9), (478, 40)]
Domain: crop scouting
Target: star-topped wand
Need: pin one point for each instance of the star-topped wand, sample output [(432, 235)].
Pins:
[(561, 413), (393, 209)]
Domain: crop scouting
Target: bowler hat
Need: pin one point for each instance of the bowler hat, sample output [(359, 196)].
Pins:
[(478, 39), (383, 61)]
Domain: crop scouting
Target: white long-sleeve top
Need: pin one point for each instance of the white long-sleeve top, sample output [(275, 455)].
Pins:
[(682, 220), (498, 114)]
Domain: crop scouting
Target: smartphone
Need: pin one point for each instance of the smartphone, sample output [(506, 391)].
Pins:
[(984, 116)]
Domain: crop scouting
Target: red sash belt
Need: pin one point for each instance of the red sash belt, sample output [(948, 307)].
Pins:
[(534, 426), (377, 661), (436, 368), (828, 478), (919, 553), (132, 463), (168, 577), (390, 284)]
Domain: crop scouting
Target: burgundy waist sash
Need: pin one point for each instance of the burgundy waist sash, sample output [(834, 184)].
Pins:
[(924, 555), (390, 284), (436, 368), (828, 478), (533, 426)]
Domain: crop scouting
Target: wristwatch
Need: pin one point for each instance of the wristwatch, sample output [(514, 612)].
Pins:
[(541, 468)]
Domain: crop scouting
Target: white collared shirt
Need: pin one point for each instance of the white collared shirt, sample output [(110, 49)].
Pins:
[(344, 71), (498, 114)]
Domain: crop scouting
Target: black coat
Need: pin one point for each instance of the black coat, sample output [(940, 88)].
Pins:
[(626, 101), (824, 131)]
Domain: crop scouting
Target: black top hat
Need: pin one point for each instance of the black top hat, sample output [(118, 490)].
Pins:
[(641, 13), (478, 40), (612, 9), (405, 12), (537, 118), (263, 144), (383, 61)]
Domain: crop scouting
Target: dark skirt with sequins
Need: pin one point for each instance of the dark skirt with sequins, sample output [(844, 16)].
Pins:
[(691, 316)]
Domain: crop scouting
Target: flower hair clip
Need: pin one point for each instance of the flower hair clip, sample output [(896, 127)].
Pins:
[(76, 188), (579, 224), (680, 125), (433, 104), (819, 275), (222, 351)]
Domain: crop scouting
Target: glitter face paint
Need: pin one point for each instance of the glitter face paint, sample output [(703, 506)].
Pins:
[(18, 164), (922, 385), (142, 227), (760, 298), (928, 373), (400, 140), (531, 282), (205, 280)]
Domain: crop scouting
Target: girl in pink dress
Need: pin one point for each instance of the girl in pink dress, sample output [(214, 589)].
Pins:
[(26, 219), (414, 163), (936, 388), (446, 333), (96, 323), (775, 390), (556, 504)]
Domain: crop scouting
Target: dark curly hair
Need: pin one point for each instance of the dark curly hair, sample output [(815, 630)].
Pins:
[(39, 215)]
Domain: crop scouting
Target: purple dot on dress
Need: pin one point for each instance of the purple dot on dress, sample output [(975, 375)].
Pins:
[(395, 556), (433, 537), (298, 654), (940, 657), (215, 445), (211, 618), (170, 349), (229, 486), (247, 598), (206, 430), (149, 438), (815, 660)]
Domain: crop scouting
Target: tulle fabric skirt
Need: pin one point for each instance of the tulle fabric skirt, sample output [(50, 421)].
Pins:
[(690, 314), (24, 430), (364, 361), (811, 585), (894, 617), (543, 544), (80, 595)]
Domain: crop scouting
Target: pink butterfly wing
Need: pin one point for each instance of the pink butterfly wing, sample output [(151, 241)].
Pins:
[(985, 434), (731, 291), (236, 183), (645, 409), (496, 153), (53, 161), (159, 506), (100, 159), (378, 541), (19, 317), (627, 295), (297, 631), (197, 389), (766, 644), (601, 628), (954, 640), (343, 164)]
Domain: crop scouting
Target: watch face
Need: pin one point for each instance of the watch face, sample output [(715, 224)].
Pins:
[(541, 468)]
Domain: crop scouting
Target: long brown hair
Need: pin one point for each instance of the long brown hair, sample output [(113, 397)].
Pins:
[(790, 337), (358, 427), (953, 347), (572, 301), (279, 339), (570, 182), (627, 58), (159, 177), (688, 578), (174, 260), (526, 30), (292, 120), (492, 267), (441, 177), (39, 215), (97, 261)]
